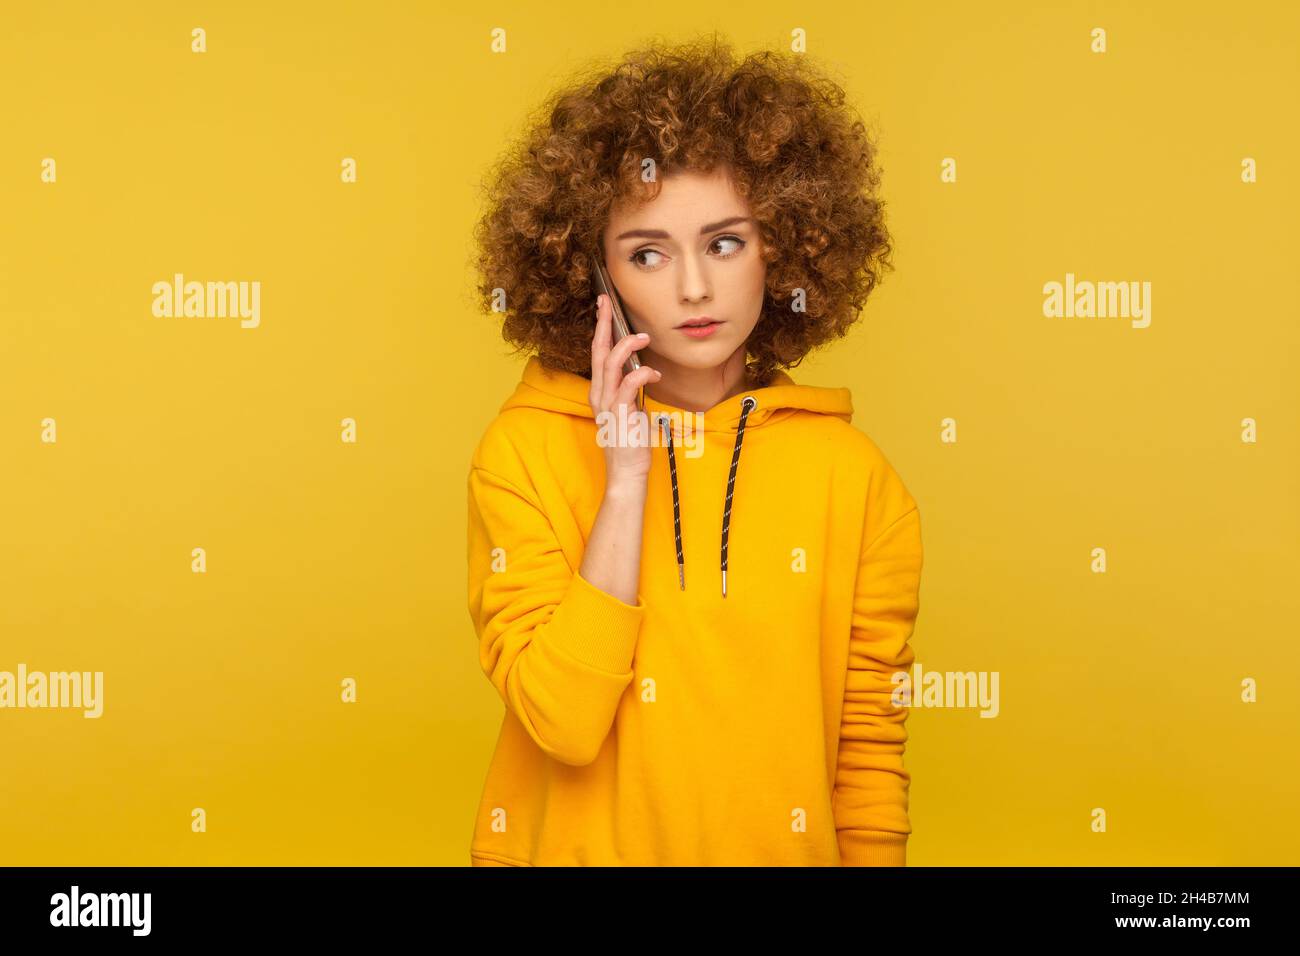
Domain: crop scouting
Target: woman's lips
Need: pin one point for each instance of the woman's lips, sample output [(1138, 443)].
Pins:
[(699, 331)]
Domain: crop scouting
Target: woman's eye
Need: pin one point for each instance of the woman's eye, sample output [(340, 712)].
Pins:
[(739, 244), (730, 245)]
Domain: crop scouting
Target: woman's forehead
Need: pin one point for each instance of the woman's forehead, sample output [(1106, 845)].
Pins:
[(687, 203)]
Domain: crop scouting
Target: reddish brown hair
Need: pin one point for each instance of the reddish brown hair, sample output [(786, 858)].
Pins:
[(801, 159)]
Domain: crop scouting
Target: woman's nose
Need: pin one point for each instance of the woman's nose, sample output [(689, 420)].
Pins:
[(694, 279)]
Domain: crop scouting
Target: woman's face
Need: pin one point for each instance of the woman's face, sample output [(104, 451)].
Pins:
[(690, 253)]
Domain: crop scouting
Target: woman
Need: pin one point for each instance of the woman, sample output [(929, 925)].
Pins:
[(661, 708)]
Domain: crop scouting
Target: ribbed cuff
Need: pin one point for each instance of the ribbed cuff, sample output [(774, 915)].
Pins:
[(872, 848), (595, 627)]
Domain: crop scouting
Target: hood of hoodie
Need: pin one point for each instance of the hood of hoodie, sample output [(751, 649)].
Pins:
[(567, 393)]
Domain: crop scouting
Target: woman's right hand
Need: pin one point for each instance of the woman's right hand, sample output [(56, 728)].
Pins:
[(613, 400)]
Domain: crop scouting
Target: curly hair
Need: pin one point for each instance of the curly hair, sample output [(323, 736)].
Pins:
[(803, 162)]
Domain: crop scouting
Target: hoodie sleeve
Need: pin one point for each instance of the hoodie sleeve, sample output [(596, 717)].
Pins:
[(871, 786), (557, 648)]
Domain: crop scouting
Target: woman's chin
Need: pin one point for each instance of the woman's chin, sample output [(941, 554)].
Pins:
[(701, 358)]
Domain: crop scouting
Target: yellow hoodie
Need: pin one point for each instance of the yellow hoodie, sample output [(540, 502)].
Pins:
[(754, 728)]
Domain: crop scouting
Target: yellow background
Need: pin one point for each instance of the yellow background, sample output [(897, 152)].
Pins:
[(328, 560)]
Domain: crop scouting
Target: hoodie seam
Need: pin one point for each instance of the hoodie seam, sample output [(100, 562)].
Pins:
[(497, 858), (526, 496), (889, 527), (510, 484)]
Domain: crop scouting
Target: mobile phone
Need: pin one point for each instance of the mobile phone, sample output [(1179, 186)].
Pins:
[(621, 326)]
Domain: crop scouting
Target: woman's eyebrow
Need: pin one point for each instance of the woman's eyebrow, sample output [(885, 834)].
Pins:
[(660, 234)]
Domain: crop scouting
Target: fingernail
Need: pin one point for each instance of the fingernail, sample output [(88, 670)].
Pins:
[(642, 335)]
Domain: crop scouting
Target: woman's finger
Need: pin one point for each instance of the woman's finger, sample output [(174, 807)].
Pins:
[(615, 361), (633, 382)]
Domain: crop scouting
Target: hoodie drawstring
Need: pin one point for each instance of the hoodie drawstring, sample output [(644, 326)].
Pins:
[(677, 511), (747, 405)]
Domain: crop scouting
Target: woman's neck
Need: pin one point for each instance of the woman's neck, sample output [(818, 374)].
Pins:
[(696, 389)]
